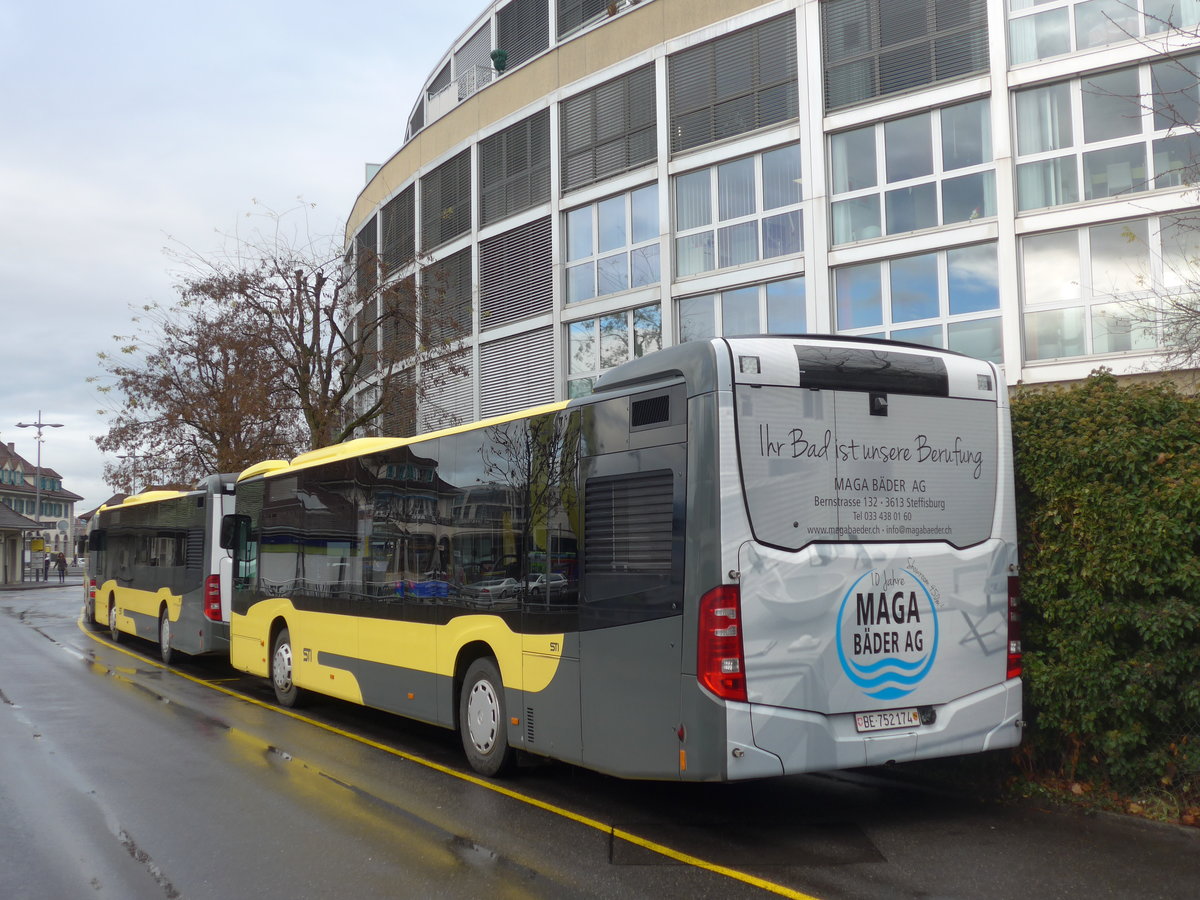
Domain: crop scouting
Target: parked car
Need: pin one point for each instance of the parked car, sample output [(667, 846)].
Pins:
[(543, 584), (492, 588)]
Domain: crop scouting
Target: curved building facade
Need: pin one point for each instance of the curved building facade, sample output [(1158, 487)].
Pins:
[(1012, 179)]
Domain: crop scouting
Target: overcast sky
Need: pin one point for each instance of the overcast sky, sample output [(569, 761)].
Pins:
[(125, 125)]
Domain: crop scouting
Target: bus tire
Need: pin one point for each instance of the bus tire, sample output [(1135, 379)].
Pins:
[(113, 631), (482, 721), (164, 636), (283, 671)]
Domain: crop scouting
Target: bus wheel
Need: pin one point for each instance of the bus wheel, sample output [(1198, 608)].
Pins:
[(286, 692), (113, 631), (164, 637), (481, 719)]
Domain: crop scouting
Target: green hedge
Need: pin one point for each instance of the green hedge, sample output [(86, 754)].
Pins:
[(1108, 499)]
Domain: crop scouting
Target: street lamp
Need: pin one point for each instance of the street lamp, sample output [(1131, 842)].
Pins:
[(39, 425)]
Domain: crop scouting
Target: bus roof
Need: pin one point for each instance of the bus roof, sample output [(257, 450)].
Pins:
[(364, 446)]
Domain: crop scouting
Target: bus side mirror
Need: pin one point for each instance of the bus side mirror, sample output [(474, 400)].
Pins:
[(231, 525)]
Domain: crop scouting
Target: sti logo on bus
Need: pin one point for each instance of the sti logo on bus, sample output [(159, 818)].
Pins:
[(887, 633)]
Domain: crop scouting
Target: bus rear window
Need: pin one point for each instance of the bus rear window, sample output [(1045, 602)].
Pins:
[(817, 465)]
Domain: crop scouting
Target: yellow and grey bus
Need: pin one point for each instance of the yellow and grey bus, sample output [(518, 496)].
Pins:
[(154, 568), (737, 558)]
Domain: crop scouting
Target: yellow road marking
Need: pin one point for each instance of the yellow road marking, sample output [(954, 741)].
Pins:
[(661, 849)]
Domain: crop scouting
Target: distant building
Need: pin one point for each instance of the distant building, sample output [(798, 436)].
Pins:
[(19, 494), (1012, 179)]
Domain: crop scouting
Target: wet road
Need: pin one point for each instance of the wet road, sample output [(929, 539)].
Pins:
[(122, 779)]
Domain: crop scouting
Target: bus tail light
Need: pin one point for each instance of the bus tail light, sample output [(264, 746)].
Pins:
[(720, 660), (212, 598), (91, 588), (1014, 627)]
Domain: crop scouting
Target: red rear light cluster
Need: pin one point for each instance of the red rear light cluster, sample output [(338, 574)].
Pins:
[(212, 598), (91, 588), (720, 660), (1014, 627)]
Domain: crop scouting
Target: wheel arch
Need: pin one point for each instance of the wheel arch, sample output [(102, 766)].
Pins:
[(467, 654)]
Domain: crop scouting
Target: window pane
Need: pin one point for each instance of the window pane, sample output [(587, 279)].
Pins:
[(579, 233), (1047, 183), (1120, 257), (1176, 159), (979, 338), (1118, 170), (908, 148), (781, 234), (914, 283), (647, 330), (645, 213), (739, 312), (968, 197), (697, 319), (694, 254), (782, 185), (853, 159), (1050, 266), (786, 307), (909, 209), (973, 279), (612, 274), (1100, 22), (693, 203), (735, 189), (581, 283), (859, 294), (581, 347), (1118, 327), (1036, 37), (1164, 14), (1112, 105), (1054, 333), (611, 216), (966, 135), (614, 340), (856, 220), (1180, 236), (1044, 119), (579, 387), (929, 335), (644, 262), (737, 244)]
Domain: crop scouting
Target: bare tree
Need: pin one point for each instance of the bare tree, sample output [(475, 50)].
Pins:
[(195, 397), (333, 322)]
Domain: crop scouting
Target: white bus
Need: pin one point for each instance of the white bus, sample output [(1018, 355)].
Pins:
[(772, 555), (154, 568)]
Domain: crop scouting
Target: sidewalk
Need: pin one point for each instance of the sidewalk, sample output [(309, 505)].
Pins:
[(74, 577)]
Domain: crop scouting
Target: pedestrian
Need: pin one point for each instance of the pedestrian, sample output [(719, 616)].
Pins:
[(61, 564), (46, 568)]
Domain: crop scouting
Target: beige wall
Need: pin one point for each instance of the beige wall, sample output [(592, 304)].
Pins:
[(636, 31)]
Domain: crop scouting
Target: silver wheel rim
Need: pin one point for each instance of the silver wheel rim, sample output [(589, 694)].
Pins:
[(483, 716), (112, 618), (164, 633), (281, 671)]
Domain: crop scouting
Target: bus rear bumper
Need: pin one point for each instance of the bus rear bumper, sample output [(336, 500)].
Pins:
[(989, 719)]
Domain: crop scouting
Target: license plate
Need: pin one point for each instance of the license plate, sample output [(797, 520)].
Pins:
[(887, 719)]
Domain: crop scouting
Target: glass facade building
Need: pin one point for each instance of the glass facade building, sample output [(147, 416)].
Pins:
[(1012, 179)]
